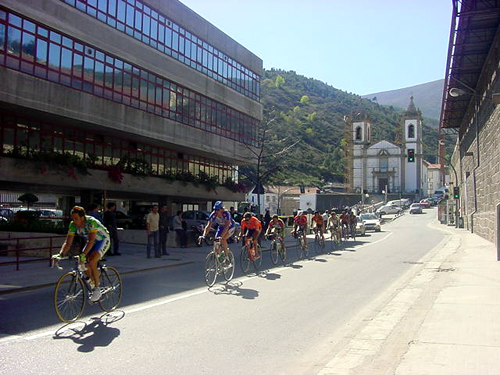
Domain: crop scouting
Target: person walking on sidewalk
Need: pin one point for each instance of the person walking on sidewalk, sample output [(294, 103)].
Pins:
[(164, 229), (109, 221), (179, 229), (152, 230)]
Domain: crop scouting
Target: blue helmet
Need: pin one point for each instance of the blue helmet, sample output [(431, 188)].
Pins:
[(218, 205)]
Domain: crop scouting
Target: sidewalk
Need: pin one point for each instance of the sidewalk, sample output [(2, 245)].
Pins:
[(444, 320)]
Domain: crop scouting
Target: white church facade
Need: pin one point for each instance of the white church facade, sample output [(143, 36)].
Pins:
[(385, 166)]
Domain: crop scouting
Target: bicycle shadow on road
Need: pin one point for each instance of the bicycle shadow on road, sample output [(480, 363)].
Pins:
[(269, 275), (97, 333), (234, 288)]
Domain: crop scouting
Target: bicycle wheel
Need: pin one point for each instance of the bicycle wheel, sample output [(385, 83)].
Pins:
[(274, 252), (229, 268), (69, 297), (244, 259), (258, 258), (317, 244), (112, 289), (305, 248), (211, 267)]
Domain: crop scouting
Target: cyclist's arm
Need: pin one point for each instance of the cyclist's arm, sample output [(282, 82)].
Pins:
[(90, 243), (67, 244), (207, 228)]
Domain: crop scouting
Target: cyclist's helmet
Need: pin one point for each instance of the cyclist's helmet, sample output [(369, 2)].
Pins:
[(247, 215), (218, 205), (275, 216)]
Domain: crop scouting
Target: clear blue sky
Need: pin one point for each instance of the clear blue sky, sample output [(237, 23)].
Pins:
[(360, 46)]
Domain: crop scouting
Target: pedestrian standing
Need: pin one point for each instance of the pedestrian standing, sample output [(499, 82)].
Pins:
[(93, 211), (164, 229), (179, 229), (152, 230), (109, 221)]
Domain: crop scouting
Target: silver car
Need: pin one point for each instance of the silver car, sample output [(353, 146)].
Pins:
[(415, 208)]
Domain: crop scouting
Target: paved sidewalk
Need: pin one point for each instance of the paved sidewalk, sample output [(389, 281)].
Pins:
[(445, 319)]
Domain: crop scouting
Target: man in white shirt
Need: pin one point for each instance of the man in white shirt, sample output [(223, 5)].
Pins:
[(152, 230)]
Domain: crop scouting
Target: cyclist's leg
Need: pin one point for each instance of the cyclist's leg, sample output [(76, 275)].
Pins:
[(93, 257)]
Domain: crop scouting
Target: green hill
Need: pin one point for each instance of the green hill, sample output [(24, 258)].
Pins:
[(307, 129)]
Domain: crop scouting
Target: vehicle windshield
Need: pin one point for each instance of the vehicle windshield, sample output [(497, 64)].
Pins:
[(368, 217), (415, 205)]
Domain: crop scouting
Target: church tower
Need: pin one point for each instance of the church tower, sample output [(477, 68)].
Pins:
[(361, 138), (412, 154)]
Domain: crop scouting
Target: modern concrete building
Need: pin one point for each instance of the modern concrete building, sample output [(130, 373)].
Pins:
[(123, 99), (470, 110)]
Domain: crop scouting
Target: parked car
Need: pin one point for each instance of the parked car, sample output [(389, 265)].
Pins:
[(360, 228), (371, 222), (123, 220), (388, 209), (415, 208), (425, 203), (433, 201), (6, 213)]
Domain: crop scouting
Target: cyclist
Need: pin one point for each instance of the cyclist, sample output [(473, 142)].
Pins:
[(353, 220), (300, 224), (251, 227), (225, 228), (277, 227), (318, 223), (344, 221), (98, 242), (334, 225)]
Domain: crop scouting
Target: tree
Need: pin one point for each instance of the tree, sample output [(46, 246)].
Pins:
[(28, 199), (267, 158)]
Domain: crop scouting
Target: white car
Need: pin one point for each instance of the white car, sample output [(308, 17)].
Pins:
[(360, 228), (371, 222), (415, 208), (389, 209)]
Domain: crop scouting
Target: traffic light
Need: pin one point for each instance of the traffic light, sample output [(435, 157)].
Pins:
[(411, 155), (456, 192)]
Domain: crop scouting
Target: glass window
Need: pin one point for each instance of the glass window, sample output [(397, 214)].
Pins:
[(2, 37), (127, 83), (66, 60), (138, 20), (88, 69), (29, 26), (168, 37), (28, 46), (99, 73), (14, 41), (112, 7), (161, 33), (146, 24), (109, 76), (135, 87), (154, 29), (121, 10), (41, 52), (54, 56), (55, 37), (77, 65), (175, 41), (130, 15), (15, 20)]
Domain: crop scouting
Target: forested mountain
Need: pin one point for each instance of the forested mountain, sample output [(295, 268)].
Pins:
[(304, 131)]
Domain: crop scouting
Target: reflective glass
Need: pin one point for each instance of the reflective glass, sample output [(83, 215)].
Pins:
[(2, 37), (112, 7), (121, 10), (41, 52), (15, 20), (102, 5), (14, 41), (154, 29), (77, 65), (138, 20), (130, 15), (29, 26), (127, 83), (55, 37), (66, 60), (109, 76), (92, 3), (99, 73), (28, 46), (54, 56), (146, 24), (88, 69)]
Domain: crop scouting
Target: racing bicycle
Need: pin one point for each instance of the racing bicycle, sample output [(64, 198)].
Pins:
[(74, 288), (246, 258), (216, 263)]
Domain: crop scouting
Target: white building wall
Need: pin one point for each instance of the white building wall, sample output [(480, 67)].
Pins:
[(308, 201)]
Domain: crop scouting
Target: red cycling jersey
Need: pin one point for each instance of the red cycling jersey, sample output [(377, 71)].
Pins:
[(253, 223), (300, 219)]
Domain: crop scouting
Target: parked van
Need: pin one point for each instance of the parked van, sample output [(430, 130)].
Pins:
[(442, 192)]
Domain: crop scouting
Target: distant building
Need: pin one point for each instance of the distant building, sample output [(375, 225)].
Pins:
[(385, 166)]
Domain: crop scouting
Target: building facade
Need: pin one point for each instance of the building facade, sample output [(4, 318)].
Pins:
[(131, 99), (470, 109), (385, 166)]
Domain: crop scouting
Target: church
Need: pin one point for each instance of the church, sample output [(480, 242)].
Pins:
[(386, 167)]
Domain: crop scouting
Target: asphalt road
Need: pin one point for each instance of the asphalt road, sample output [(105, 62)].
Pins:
[(286, 320)]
